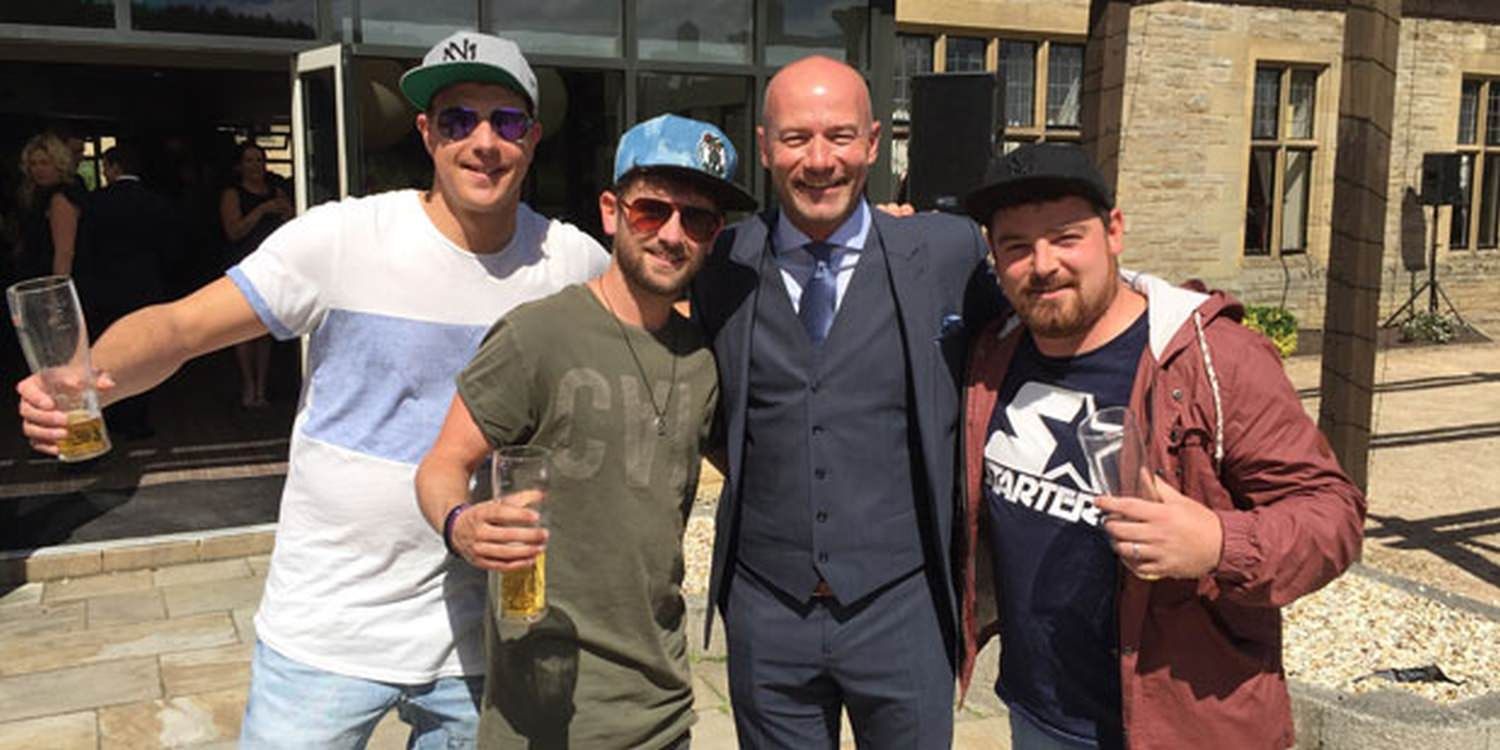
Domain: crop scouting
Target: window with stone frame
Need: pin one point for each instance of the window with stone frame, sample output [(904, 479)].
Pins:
[(1043, 81), (913, 56), (1475, 221), (1283, 150)]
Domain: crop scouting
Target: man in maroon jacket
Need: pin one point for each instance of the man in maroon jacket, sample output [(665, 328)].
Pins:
[(1147, 622)]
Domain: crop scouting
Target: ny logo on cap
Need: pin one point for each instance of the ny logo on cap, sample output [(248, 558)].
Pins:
[(460, 49), (1017, 165), (711, 155)]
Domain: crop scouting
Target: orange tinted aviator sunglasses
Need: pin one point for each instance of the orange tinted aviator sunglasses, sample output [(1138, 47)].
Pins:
[(647, 215)]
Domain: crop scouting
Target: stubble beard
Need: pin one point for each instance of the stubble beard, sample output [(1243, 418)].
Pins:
[(1072, 316), (633, 268)]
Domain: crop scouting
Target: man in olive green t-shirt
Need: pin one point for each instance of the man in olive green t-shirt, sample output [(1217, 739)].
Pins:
[(622, 389)]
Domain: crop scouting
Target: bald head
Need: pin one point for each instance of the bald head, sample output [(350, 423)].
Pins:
[(818, 140), (818, 77)]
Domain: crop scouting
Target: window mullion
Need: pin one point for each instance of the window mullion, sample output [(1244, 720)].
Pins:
[(1039, 101), (1476, 175), (1277, 199)]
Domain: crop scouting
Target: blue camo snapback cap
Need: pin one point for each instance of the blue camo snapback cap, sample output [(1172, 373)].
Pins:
[(686, 147)]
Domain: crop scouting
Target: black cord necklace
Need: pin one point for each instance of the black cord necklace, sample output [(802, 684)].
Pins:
[(659, 421)]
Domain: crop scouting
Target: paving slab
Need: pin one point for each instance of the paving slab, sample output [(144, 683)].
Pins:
[(183, 721), (222, 668), (75, 731), (36, 619), (213, 596), (714, 731), (992, 733), (216, 570), (97, 585), (77, 688), (244, 624), (39, 653), (125, 609), (26, 593)]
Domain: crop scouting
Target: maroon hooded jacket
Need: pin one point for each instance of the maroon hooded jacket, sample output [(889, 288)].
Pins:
[(1200, 661)]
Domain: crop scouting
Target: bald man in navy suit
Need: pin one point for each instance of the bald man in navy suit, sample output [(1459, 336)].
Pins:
[(840, 336)]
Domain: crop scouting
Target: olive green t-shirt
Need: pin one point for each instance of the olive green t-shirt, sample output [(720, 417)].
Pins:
[(607, 667)]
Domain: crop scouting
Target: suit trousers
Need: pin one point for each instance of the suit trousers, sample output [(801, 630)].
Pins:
[(794, 663)]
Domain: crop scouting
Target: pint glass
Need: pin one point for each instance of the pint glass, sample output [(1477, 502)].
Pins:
[(1116, 450), (49, 323), (519, 476)]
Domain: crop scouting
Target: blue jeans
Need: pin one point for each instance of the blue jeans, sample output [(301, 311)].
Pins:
[(293, 705), (1025, 734)]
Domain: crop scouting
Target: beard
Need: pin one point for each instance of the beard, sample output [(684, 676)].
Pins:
[(633, 266), (1066, 317)]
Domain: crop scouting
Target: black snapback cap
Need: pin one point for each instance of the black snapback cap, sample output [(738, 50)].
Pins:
[(1037, 169)]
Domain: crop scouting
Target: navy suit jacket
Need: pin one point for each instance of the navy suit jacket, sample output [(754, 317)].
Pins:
[(126, 235), (944, 289)]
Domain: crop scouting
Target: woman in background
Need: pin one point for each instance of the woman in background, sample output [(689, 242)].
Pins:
[(51, 204), (250, 209)]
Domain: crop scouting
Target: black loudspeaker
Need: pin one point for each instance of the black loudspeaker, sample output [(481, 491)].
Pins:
[(1440, 179), (953, 117)]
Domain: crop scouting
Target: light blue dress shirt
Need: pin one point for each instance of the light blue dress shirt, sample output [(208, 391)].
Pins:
[(797, 264)]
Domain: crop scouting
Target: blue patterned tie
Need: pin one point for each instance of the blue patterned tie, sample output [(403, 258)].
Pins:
[(817, 305)]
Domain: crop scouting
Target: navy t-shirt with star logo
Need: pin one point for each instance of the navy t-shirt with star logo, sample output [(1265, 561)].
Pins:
[(1055, 572)]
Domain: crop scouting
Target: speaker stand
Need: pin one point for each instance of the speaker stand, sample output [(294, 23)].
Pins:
[(1431, 286)]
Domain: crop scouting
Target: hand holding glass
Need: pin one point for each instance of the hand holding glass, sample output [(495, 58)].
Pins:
[(49, 322), (519, 475), (1114, 444)]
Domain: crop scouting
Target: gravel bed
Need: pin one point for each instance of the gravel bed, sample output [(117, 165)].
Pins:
[(1347, 630), (1357, 625)]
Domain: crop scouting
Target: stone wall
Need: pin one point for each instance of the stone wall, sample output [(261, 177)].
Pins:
[(1185, 144), (1030, 16), (1435, 56)]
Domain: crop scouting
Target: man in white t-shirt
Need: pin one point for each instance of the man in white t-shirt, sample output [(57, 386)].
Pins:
[(364, 609)]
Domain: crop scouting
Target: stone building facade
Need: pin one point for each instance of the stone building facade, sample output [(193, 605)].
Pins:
[(1224, 138)]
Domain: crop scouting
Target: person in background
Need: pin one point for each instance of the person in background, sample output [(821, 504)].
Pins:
[(51, 205), (250, 210), (126, 231)]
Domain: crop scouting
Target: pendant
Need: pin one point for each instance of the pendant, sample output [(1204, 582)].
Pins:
[(661, 425)]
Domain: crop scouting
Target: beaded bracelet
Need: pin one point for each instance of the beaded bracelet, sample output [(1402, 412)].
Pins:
[(453, 514)]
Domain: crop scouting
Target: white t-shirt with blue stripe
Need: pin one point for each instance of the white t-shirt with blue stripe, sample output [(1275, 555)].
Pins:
[(359, 584)]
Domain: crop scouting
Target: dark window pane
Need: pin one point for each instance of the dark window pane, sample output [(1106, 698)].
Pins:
[(1458, 230), (239, 17), (714, 30), (59, 12), (403, 22), (965, 54), (1492, 118), (320, 135), (1301, 99), (577, 154), (1018, 70), (1064, 83), (1295, 191), (1468, 112), (1488, 203), (836, 28), (721, 100), (1267, 102), (560, 27), (1258, 204), (915, 57)]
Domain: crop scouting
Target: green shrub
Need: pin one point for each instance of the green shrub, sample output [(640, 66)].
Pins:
[(1275, 323), (1431, 327)]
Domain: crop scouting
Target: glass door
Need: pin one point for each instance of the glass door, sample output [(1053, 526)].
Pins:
[(322, 137)]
